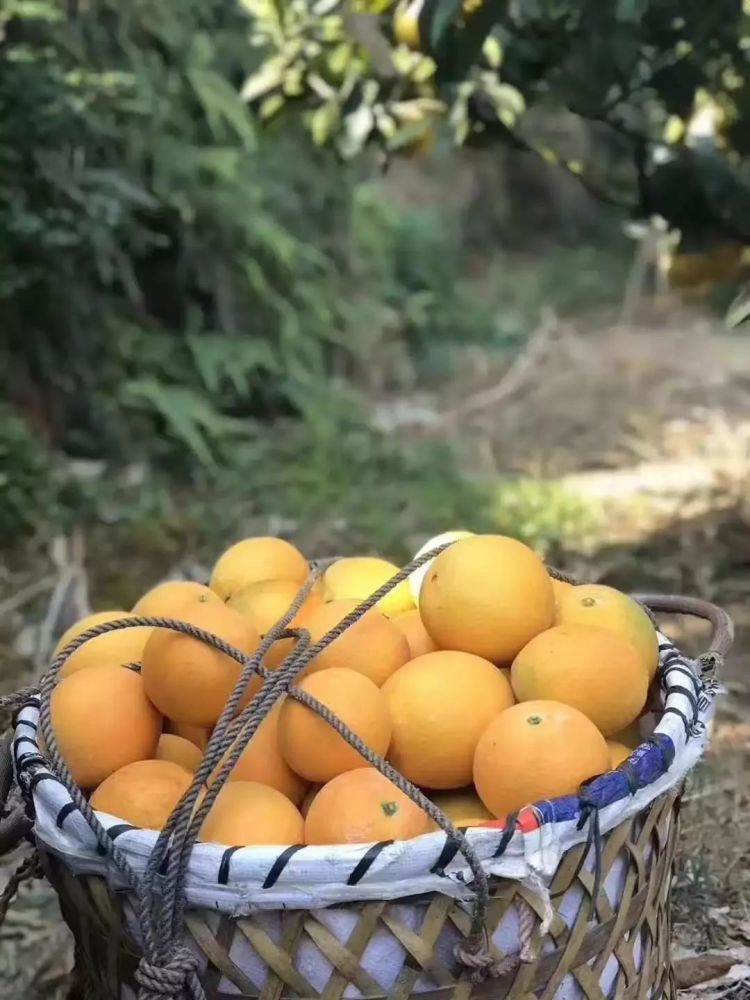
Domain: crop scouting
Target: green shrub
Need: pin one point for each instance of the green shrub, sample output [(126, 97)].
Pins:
[(167, 268), (28, 479)]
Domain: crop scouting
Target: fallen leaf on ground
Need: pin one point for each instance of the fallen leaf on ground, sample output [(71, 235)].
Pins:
[(700, 969)]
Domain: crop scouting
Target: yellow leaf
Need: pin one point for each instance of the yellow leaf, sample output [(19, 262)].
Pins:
[(674, 129), (322, 122), (406, 23), (492, 52), (271, 106), (268, 77), (339, 58)]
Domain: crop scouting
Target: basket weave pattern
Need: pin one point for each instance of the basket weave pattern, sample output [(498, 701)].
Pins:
[(615, 946)]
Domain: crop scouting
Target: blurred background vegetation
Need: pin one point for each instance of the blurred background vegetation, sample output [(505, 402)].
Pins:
[(206, 307)]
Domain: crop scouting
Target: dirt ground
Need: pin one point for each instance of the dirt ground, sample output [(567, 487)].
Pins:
[(650, 422)]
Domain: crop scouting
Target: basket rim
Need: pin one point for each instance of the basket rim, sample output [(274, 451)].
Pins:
[(542, 831)]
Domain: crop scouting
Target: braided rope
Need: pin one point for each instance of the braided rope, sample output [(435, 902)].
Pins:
[(10, 703)]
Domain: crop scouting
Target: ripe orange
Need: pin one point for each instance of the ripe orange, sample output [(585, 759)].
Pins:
[(559, 588), (143, 793), (416, 578), (197, 735), (187, 679), (593, 669), (261, 761), (113, 649), (373, 646), (595, 604), (87, 622), (356, 578), (487, 595), (410, 624), (536, 750), (246, 813), (440, 705), (255, 559), (179, 751), (463, 807), (165, 598), (264, 603), (103, 720), (618, 752), (314, 749), (363, 807)]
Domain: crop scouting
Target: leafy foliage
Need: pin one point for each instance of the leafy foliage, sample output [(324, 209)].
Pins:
[(667, 84), (27, 491), (168, 270)]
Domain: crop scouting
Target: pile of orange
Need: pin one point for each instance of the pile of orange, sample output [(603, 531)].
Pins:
[(482, 680)]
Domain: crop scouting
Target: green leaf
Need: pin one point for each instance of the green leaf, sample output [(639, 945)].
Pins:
[(323, 122), (189, 416), (32, 10), (268, 77), (442, 16), (222, 358), (271, 106), (221, 103), (121, 186)]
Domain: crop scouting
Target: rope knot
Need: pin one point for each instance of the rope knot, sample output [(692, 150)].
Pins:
[(710, 663), (166, 980)]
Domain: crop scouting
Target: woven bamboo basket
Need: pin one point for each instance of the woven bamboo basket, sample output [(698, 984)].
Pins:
[(597, 928), (608, 945)]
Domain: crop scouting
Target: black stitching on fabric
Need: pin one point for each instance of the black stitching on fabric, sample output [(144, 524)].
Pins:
[(116, 831), (63, 814), (680, 668), (40, 776), (31, 703), (29, 760), (280, 864), (507, 836), (365, 862), (689, 696), (223, 877), (590, 815), (634, 782), (450, 849), (671, 710)]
